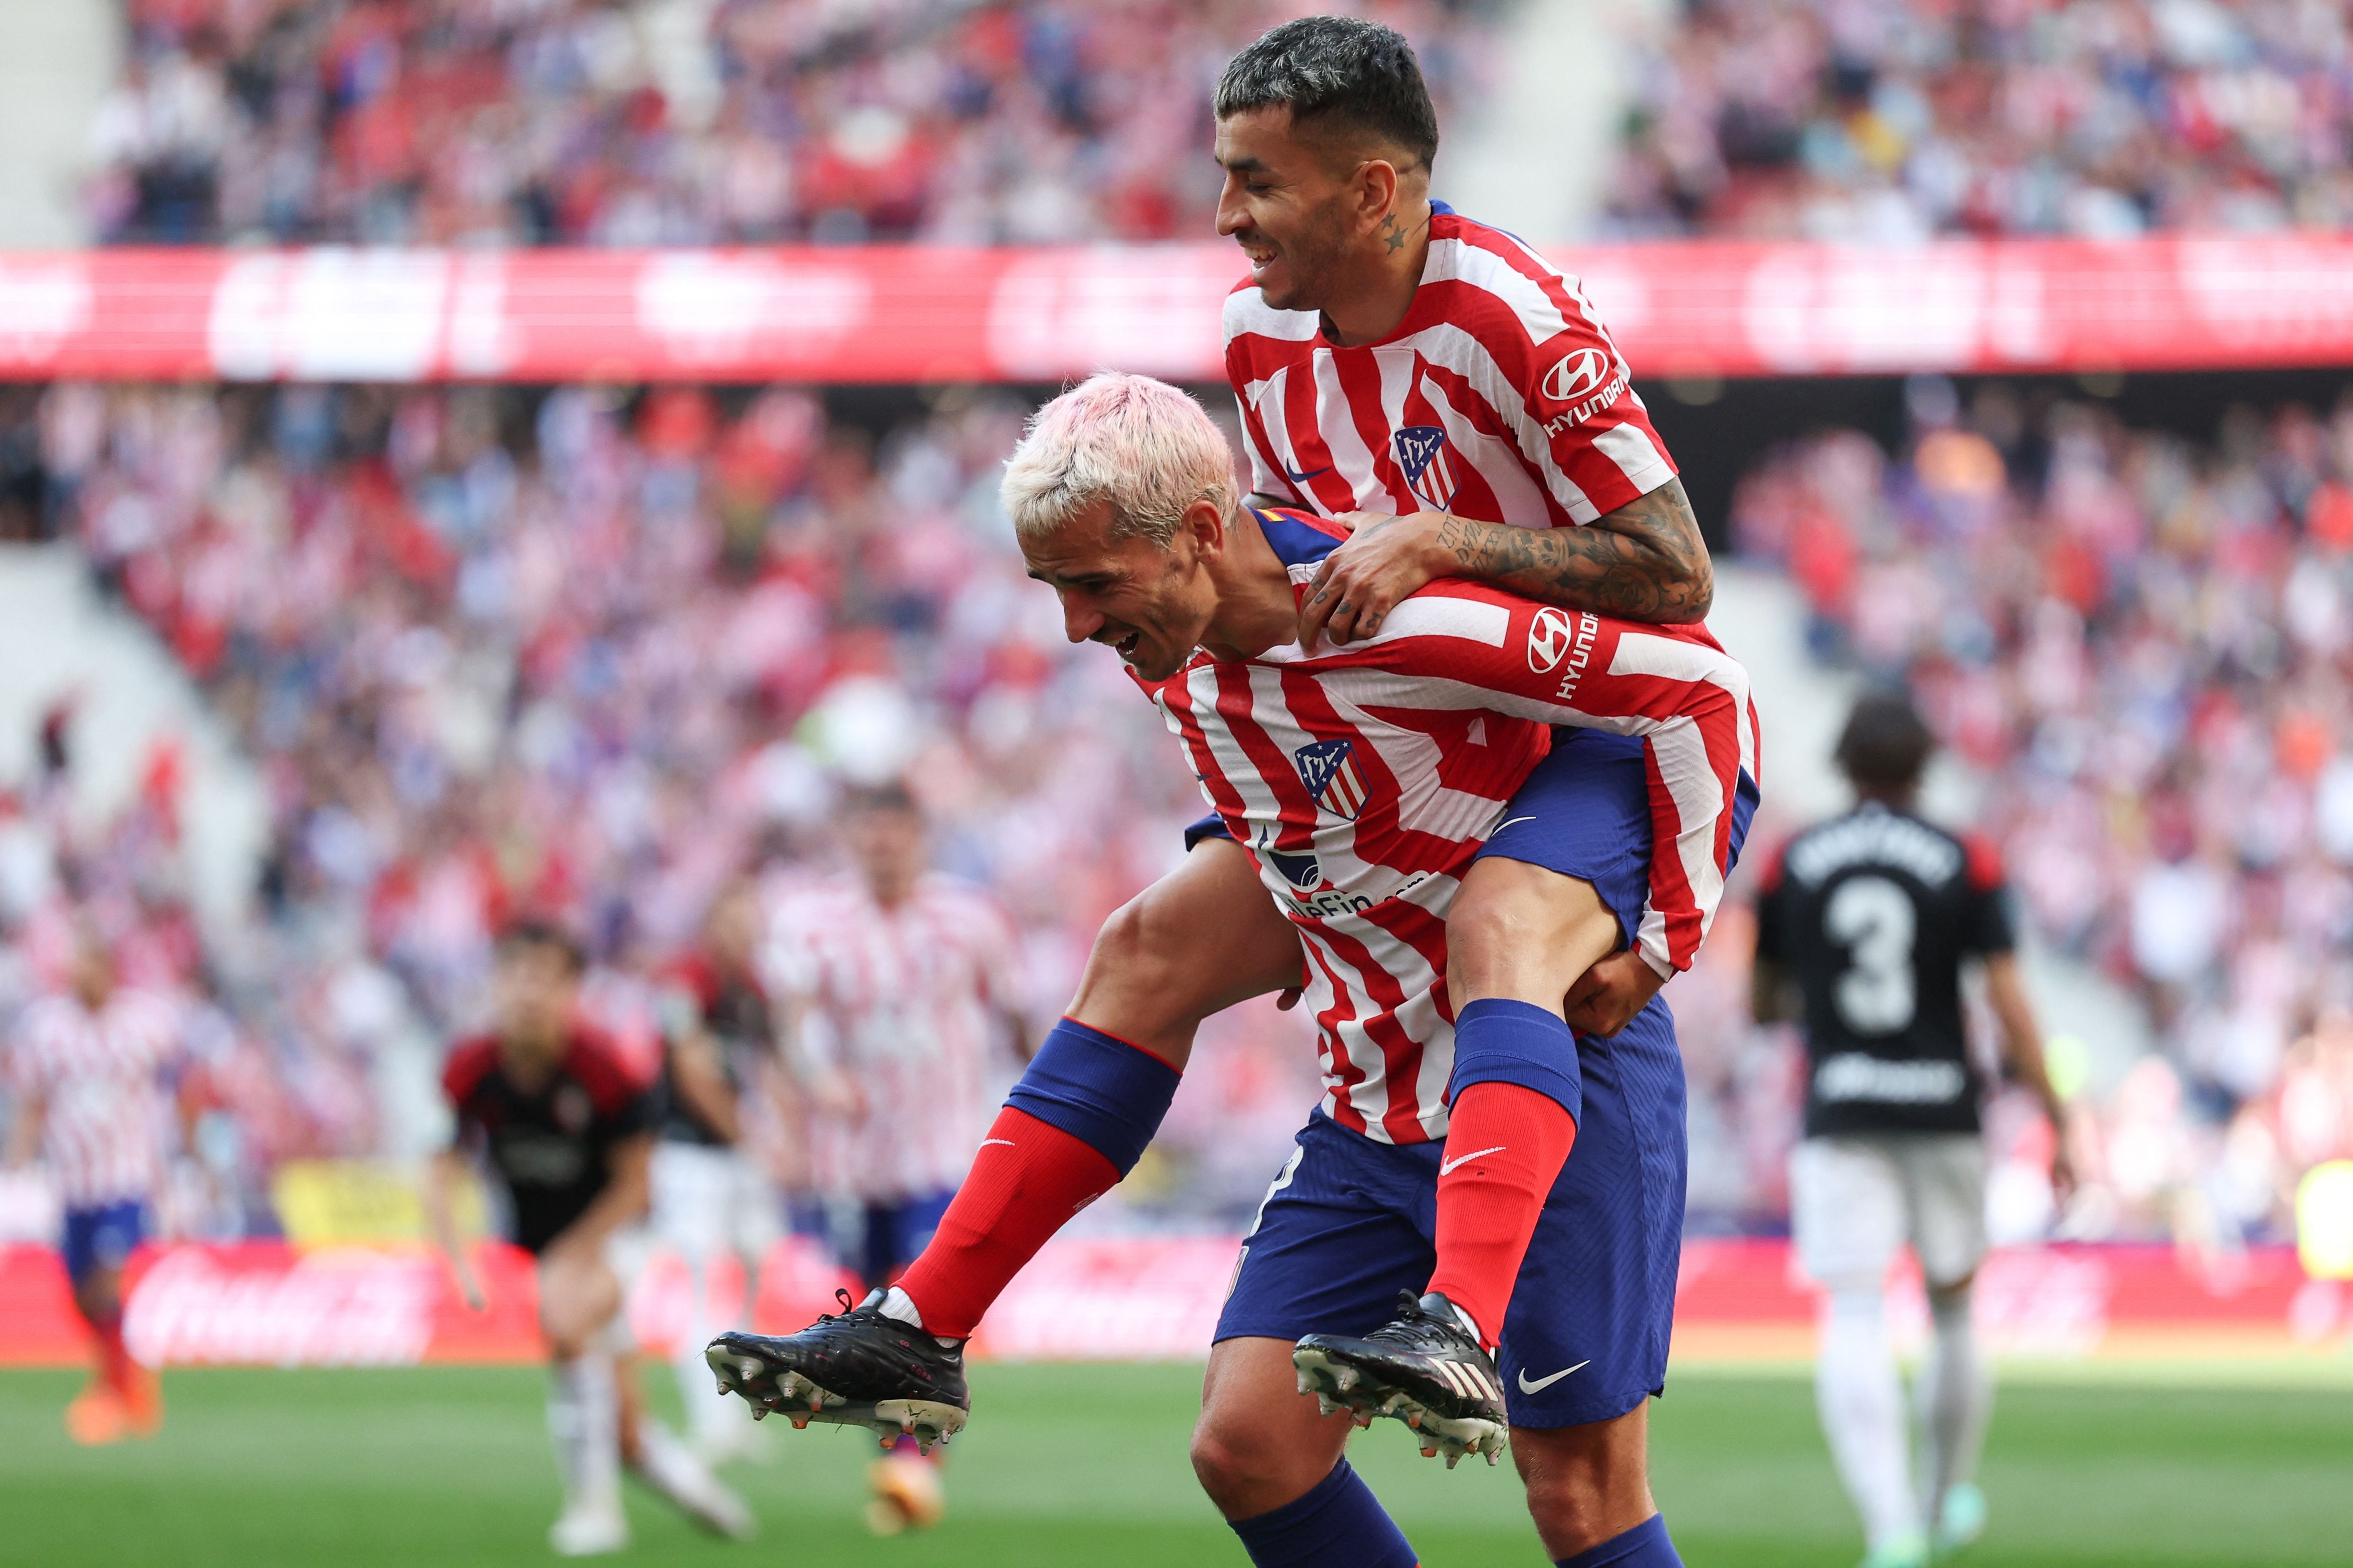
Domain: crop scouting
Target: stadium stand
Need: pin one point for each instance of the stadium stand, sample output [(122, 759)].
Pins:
[(740, 120), (500, 648), (568, 653), (1828, 119)]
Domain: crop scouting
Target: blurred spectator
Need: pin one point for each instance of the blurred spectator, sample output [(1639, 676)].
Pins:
[(2143, 646), (1841, 120), (589, 653), (683, 121), (576, 652)]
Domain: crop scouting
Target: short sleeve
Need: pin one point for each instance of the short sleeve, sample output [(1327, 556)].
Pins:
[(1772, 913), (1988, 922), (640, 1112), (461, 1086), (1265, 480), (1596, 429), (1599, 449)]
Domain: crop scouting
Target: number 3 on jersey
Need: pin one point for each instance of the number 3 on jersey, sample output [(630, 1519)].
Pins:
[(1874, 920)]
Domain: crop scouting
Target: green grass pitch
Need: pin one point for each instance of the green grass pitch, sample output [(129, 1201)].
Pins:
[(1085, 1465)]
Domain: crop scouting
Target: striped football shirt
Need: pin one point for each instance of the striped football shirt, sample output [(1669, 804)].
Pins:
[(98, 1077), (1365, 778), (1500, 396)]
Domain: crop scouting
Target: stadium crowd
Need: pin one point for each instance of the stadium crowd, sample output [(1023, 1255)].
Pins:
[(575, 652), (1837, 121), (572, 655), (715, 121), (2144, 646), (688, 121)]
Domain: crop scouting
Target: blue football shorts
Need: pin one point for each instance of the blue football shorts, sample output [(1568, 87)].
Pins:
[(1351, 1222), (895, 1234), (102, 1237)]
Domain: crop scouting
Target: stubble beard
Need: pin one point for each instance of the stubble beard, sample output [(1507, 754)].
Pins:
[(1312, 259)]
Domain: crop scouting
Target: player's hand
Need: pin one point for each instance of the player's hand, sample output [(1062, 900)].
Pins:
[(469, 1285), (1382, 561), (1606, 996), (2063, 1164)]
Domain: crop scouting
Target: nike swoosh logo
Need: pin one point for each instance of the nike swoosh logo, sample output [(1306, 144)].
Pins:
[(1540, 1384), (1444, 1167), (1302, 479), (986, 1142)]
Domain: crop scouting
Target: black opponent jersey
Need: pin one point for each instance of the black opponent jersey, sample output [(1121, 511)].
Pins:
[(551, 1150), (1872, 914), (698, 995)]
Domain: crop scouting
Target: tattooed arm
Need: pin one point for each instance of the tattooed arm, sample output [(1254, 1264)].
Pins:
[(1645, 562)]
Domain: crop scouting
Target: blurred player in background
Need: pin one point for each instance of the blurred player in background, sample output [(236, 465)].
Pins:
[(1862, 932), (546, 1107), (88, 1068), (710, 1202), (892, 974)]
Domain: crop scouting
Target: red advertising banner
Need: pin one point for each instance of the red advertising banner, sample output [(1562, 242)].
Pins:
[(265, 1303), (923, 314)]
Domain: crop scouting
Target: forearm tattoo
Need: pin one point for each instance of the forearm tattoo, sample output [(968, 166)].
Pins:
[(1646, 561)]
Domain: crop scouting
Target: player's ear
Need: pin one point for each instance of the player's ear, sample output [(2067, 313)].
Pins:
[(1205, 519), (1377, 193)]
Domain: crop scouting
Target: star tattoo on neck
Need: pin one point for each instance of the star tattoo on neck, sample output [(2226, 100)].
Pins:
[(1395, 234)]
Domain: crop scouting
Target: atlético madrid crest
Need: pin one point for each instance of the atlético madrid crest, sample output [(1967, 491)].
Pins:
[(1328, 768), (1421, 453)]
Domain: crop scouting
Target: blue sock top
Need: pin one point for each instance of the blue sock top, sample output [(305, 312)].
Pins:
[(1501, 1041), (1644, 1546), (1335, 1523), (1106, 1093)]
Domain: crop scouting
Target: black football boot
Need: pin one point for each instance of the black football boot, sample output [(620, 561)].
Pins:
[(1426, 1369), (855, 1368)]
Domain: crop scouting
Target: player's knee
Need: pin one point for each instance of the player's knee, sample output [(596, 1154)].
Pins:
[(1560, 1501), (99, 1294), (1236, 1466), (1137, 985), (1948, 1303), (1517, 930), (1585, 1485)]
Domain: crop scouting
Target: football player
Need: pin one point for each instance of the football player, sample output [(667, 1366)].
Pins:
[(1454, 405), (1864, 930), (1369, 783), (894, 976), (545, 1106), (710, 1203), (87, 1067)]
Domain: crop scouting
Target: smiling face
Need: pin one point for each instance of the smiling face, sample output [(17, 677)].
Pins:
[(1289, 201), (1150, 604)]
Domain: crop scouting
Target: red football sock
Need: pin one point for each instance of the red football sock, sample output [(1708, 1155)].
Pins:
[(1504, 1147), (116, 1370), (1027, 1182)]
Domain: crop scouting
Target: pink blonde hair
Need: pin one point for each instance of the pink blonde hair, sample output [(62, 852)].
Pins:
[(1140, 444)]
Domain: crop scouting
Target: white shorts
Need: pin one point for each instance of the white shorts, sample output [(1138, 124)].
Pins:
[(707, 1200), (1856, 1198)]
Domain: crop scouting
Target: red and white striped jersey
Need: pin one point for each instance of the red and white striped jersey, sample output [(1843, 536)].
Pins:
[(898, 1001), (1363, 779), (97, 1079), (1499, 397)]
